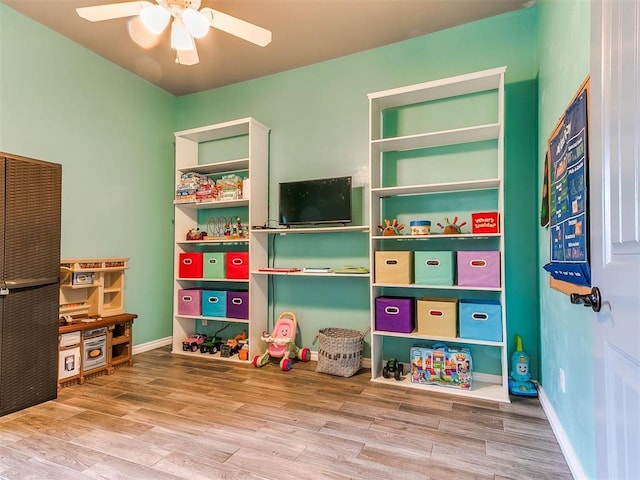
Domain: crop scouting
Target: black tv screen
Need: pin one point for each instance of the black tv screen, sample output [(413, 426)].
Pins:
[(311, 202)]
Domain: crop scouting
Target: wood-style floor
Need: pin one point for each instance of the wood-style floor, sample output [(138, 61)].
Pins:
[(172, 417)]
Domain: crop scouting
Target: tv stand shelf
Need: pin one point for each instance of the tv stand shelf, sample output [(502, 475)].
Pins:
[(310, 274), (300, 230)]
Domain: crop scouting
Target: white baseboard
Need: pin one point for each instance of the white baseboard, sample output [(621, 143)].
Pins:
[(565, 445), (145, 347)]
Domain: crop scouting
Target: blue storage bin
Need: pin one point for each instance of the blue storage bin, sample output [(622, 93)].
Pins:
[(480, 320), (214, 303)]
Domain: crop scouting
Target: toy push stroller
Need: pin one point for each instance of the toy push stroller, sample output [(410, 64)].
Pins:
[(282, 344)]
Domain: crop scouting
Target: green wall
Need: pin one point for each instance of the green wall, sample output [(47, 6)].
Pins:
[(112, 133), (319, 120), (566, 334)]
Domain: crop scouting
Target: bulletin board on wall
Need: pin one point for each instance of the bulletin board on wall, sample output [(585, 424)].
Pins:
[(567, 194)]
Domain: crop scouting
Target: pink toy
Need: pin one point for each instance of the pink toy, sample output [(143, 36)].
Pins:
[(281, 343)]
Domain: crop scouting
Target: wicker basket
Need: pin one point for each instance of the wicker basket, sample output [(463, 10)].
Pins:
[(340, 351)]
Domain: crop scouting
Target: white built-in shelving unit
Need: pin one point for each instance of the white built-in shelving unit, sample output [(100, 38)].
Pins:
[(420, 125), (206, 151)]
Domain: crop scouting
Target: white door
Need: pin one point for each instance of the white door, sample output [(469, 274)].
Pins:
[(615, 233)]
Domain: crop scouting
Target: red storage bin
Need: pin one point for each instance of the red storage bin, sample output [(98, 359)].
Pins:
[(190, 265), (238, 265)]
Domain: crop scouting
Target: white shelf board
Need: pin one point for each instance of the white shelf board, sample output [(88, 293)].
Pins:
[(437, 139), (230, 166), (243, 202), (447, 187), (218, 131), (214, 319), (207, 356), (311, 274), (419, 336), (437, 287), (214, 280), (214, 241), (437, 89), (436, 236), (481, 390), (302, 230)]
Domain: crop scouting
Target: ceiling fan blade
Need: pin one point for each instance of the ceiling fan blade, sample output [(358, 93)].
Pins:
[(245, 30), (187, 57), (113, 10)]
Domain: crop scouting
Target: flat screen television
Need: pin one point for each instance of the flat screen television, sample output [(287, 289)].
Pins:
[(312, 202)]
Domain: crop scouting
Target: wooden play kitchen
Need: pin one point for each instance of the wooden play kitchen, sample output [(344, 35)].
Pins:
[(95, 332)]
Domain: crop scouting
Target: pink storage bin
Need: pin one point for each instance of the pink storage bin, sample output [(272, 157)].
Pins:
[(479, 269), (190, 302)]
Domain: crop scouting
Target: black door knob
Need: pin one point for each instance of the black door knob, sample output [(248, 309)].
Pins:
[(591, 299)]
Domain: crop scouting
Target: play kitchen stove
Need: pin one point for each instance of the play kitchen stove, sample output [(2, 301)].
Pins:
[(94, 347)]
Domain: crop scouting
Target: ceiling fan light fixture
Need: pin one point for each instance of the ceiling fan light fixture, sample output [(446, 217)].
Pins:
[(196, 23), (155, 18), (189, 22), (181, 39)]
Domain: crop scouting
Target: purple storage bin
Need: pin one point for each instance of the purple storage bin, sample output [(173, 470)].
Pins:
[(190, 302), (395, 314), (479, 269), (238, 305)]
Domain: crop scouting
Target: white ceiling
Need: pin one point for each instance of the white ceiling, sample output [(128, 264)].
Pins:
[(304, 32)]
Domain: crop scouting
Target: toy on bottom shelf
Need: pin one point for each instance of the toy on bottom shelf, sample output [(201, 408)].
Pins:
[(233, 345), (452, 227), (394, 367), (193, 342), (281, 343), (520, 382), (213, 344), (440, 365)]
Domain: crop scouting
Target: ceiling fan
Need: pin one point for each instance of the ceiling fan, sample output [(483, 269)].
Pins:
[(189, 22)]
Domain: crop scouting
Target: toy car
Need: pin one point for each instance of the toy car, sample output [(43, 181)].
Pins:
[(193, 342), (393, 367), (227, 349), (211, 345), (233, 345)]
